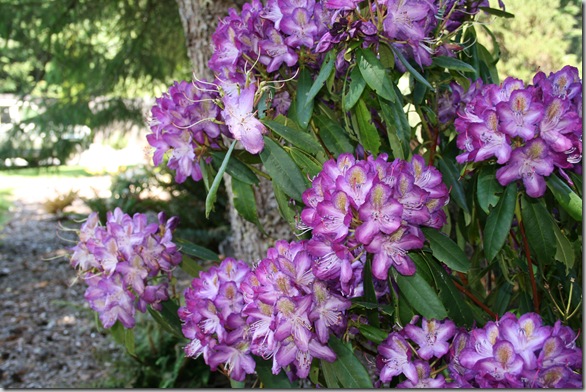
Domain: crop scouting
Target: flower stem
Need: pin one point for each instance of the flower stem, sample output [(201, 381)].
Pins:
[(476, 300)]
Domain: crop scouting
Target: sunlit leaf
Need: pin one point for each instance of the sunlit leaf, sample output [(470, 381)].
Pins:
[(283, 169), (211, 197), (568, 199), (374, 74)]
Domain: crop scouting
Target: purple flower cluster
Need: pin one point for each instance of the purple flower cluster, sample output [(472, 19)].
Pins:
[(126, 264), (279, 310), (185, 120), (370, 206), (213, 320), (510, 353), (529, 130), (290, 312)]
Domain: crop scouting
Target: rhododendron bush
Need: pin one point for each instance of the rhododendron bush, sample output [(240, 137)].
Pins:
[(436, 207)]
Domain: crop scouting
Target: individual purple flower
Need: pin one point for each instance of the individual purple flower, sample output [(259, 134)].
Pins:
[(520, 115), (424, 379), (526, 335), (239, 116), (530, 163), (504, 363), (391, 251), (394, 358), (381, 213), (108, 297), (432, 337)]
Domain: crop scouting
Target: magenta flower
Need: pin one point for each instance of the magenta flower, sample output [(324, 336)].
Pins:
[(239, 117), (395, 358), (504, 363), (520, 115), (391, 251), (432, 338), (529, 163), (424, 378), (107, 296), (381, 213)]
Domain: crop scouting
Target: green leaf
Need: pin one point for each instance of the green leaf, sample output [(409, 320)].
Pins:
[(458, 309), (200, 252), (235, 168), (303, 105), (284, 204), (346, 371), (333, 135), (410, 68), (283, 169), (308, 164), (498, 223), (488, 188), (357, 85), (168, 318), (451, 175), (398, 128), (266, 376), (538, 229), (446, 250), (453, 64), (370, 293), (301, 139), (245, 202), (211, 198), (420, 295), (367, 133), (495, 12), (237, 384), (190, 266), (324, 74), (375, 335), (564, 250), (568, 199), (374, 74)]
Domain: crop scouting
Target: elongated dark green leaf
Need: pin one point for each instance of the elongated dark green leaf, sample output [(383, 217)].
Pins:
[(398, 128), (489, 72), (499, 222), (421, 296), (283, 169), (200, 252), (333, 136), (237, 384), (268, 379), (367, 132), (446, 250), (568, 199), (564, 250), (324, 74), (374, 74), (308, 165), (370, 294), (450, 176), (211, 198), (235, 168), (452, 63), (410, 68), (458, 309), (374, 334), (346, 369), (538, 228), (285, 207), (303, 105), (301, 139), (123, 336), (495, 12), (245, 202), (190, 266), (168, 318), (487, 189), (357, 85)]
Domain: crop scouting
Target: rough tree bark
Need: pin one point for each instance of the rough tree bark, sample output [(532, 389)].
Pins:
[(246, 242)]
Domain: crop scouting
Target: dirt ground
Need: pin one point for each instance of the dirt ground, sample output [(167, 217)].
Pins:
[(48, 336)]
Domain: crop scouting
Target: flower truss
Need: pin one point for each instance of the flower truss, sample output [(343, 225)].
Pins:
[(126, 264)]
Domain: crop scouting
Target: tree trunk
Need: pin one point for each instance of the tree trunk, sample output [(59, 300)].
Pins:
[(246, 242)]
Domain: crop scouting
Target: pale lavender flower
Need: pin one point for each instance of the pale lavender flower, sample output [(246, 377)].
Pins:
[(395, 358), (432, 338)]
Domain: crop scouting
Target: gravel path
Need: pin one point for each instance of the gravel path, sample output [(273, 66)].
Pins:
[(48, 336)]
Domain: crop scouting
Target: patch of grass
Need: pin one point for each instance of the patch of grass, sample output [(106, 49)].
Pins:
[(58, 171), (5, 203)]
